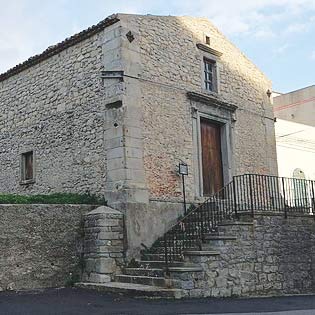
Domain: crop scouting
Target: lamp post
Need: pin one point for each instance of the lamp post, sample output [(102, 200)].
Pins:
[(183, 170)]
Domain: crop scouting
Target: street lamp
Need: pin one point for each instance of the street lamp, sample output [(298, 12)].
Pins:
[(183, 170)]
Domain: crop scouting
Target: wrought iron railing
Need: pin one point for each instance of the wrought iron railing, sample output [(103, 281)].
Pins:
[(272, 193), (247, 193)]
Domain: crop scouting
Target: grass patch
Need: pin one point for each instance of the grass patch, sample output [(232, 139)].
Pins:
[(57, 198)]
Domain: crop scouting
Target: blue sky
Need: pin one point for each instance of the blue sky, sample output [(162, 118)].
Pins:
[(277, 35)]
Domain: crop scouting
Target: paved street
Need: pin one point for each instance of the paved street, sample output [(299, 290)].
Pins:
[(78, 301)]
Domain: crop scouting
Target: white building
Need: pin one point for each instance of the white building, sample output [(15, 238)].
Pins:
[(295, 133)]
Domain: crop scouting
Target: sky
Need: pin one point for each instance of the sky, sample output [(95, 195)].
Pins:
[(277, 35)]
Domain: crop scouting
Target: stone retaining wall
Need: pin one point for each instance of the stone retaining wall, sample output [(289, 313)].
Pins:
[(40, 245), (272, 256)]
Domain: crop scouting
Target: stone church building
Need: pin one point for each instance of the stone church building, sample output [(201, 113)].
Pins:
[(115, 108)]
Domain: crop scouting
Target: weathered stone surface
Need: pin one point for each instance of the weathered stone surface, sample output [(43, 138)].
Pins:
[(55, 109), (40, 245), (167, 75), (103, 243), (247, 270), (96, 278), (61, 109)]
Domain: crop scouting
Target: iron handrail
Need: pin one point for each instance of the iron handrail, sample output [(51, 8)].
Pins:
[(246, 193)]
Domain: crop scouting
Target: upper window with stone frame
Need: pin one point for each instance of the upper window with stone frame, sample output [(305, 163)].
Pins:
[(210, 75), (27, 167)]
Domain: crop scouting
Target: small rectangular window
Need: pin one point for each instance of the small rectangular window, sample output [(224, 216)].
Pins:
[(210, 75), (27, 166)]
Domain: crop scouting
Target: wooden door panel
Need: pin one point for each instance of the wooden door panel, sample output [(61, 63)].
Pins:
[(211, 157)]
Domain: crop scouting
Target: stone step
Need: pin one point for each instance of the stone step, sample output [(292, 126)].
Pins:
[(157, 256), (237, 223), (159, 263), (185, 269), (181, 238), (201, 253), (132, 289), (212, 237), (146, 280), (217, 235), (151, 272), (161, 250)]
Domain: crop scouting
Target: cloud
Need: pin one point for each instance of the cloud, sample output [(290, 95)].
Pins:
[(29, 26), (14, 45), (312, 55), (296, 28), (23, 31), (264, 33), (235, 17), (281, 49)]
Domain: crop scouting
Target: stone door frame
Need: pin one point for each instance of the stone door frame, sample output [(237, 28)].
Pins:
[(223, 115)]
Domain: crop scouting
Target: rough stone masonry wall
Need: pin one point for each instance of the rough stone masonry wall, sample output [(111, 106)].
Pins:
[(173, 66), (103, 244), (40, 245), (56, 109), (274, 256)]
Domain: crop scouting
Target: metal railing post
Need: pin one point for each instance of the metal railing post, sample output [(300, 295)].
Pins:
[(313, 200), (234, 198), (202, 224), (184, 195), (248, 191), (165, 253), (251, 196), (284, 198)]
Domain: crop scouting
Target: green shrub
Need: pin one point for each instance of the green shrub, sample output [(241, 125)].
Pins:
[(57, 198)]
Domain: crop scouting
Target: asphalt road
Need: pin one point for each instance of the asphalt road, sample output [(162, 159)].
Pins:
[(68, 301)]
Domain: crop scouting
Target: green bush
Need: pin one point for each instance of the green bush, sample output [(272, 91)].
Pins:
[(57, 198)]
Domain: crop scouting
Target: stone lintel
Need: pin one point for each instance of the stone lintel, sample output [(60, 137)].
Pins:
[(209, 50), (211, 100)]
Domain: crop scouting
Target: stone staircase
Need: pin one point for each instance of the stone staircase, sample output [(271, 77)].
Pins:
[(196, 238), (218, 250), (150, 277)]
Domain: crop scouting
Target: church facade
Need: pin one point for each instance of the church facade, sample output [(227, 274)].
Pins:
[(114, 109)]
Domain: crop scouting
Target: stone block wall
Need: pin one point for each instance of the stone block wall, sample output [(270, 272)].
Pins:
[(111, 115), (40, 245), (160, 66), (172, 65), (55, 109), (62, 109), (103, 244), (271, 256)]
